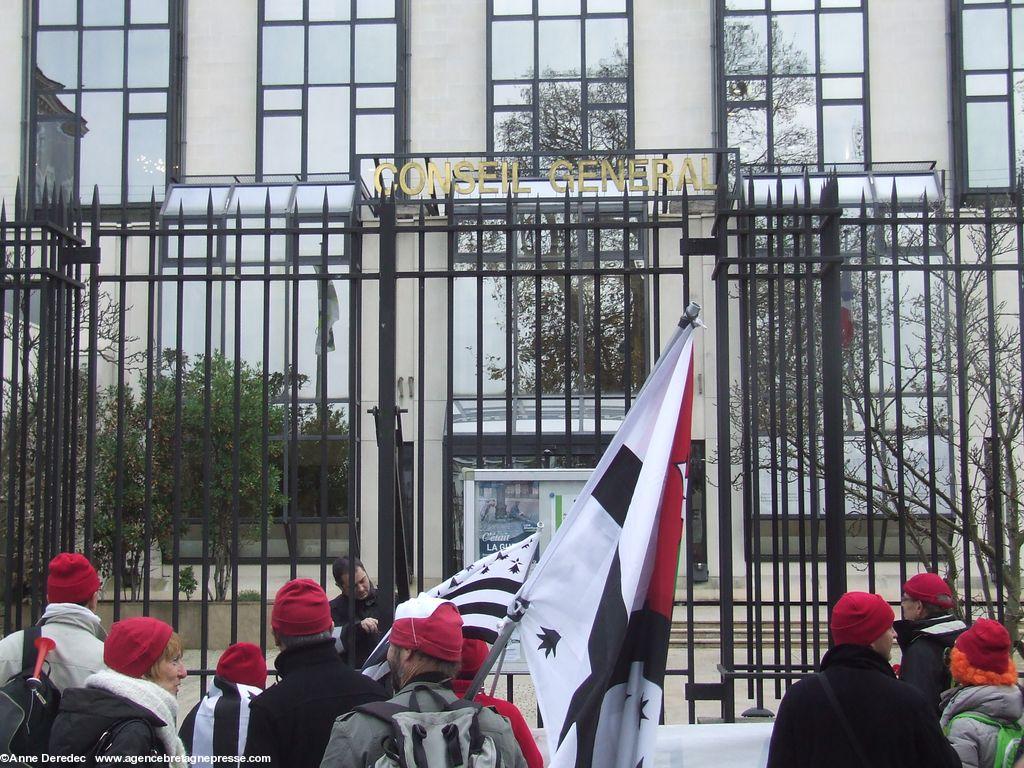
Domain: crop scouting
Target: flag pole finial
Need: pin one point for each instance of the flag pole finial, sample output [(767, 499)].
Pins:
[(691, 315)]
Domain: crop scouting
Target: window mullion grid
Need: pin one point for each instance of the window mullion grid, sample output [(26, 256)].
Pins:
[(304, 121), (769, 87), (536, 87), (124, 109), (819, 116), (584, 84)]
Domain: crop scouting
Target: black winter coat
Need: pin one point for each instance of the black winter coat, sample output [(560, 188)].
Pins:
[(895, 726), (359, 643), (87, 713), (291, 721), (924, 645)]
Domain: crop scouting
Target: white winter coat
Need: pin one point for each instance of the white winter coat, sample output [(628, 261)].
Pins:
[(79, 651)]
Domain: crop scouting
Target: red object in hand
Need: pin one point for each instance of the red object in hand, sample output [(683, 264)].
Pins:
[(43, 645)]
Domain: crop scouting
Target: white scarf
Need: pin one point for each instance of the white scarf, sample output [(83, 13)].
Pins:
[(145, 694)]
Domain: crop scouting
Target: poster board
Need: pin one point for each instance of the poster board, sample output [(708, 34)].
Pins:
[(504, 506)]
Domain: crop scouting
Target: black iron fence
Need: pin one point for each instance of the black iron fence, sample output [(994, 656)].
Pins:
[(235, 387), (890, 330)]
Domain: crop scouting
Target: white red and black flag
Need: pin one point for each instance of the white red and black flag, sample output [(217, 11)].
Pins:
[(483, 592), (598, 605)]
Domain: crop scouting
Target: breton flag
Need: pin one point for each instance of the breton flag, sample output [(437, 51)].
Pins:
[(483, 591), (598, 606), (218, 724)]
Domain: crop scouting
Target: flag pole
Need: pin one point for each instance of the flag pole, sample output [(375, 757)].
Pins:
[(690, 316), (497, 654), (515, 613)]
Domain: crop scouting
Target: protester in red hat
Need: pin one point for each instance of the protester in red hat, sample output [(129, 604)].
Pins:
[(926, 633), (290, 722), (70, 620), (131, 709), (987, 698), (474, 652), (217, 725), (855, 713), (425, 656)]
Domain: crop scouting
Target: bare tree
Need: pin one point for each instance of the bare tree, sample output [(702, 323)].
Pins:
[(562, 125), (933, 394), (791, 121)]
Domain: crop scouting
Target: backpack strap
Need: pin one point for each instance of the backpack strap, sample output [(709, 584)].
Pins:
[(476, 736), (382, 710), (28, 646), (106, 739), (981, 718)]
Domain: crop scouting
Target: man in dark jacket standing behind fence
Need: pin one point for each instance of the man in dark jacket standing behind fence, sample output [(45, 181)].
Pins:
[(290, 722), (855, 713), (926, 633), (359, 622)]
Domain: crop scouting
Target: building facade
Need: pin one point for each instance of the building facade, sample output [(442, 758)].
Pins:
[(201, 108)]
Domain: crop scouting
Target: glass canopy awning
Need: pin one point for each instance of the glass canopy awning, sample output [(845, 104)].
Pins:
[(233, 198)]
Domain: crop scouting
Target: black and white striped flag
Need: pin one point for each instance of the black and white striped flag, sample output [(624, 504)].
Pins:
[(218, 724), (482, 591)]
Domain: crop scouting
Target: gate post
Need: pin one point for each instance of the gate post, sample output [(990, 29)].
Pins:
[(832, 396), (387, 287), (724, 427)]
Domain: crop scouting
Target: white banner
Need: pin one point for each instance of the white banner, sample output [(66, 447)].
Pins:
[(731, 745)]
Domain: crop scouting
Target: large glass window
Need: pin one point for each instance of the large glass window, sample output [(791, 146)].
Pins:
[(294, 329), (104, 98), (991, 128), (559, 77), (794, 82), (329, 85)]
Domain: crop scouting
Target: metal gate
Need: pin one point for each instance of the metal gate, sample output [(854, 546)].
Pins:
[(235, 386)]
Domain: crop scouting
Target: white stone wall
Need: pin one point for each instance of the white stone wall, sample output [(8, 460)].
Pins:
[(220, 106), (11, 93), (673, 78), (909, 72), (448, 76)]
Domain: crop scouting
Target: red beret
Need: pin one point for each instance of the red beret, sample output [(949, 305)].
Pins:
[(134, 645), (860, 618), (929, 588), (71, 579), (301, 608), (986, 645), (474, 652), (243, 663), (429, 625)]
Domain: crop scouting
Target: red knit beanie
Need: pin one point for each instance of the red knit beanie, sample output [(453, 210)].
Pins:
[(134, 645), (929, 588), (986, 645), (71, 579), (860, 618), (474, 652), (243, 663), (429, 625), (301, 608)]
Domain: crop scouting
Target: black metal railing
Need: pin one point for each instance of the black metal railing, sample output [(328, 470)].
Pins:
[(187, 394)]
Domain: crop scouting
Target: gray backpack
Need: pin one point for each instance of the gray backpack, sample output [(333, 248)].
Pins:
[(449, 738)]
